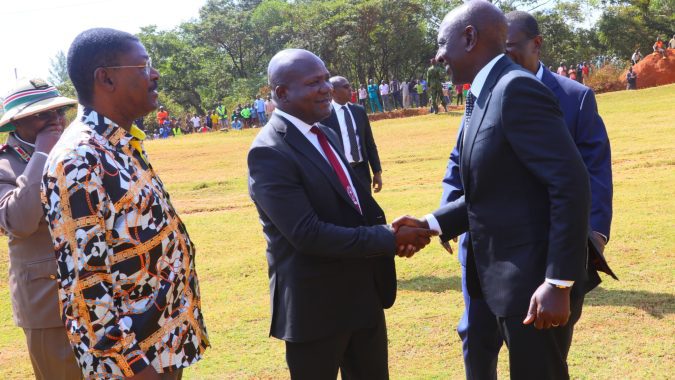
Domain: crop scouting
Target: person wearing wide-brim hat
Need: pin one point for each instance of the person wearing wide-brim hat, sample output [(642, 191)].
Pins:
[(34, 117)]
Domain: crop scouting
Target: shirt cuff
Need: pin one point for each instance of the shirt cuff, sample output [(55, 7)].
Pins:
[(433, 223), (603, 236), (42, 153), (565, 283)]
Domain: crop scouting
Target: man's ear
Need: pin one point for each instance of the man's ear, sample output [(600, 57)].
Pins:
[(103, 80), (281, 93), (538, 41), (470, 38)]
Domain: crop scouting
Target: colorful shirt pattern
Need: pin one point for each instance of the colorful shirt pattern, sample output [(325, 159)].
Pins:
[(128, 290)]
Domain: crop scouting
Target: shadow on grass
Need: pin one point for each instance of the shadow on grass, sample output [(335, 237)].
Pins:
[(431, 284), (656, 304)]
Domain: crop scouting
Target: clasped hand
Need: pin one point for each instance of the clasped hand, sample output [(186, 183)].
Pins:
[(411, 235)]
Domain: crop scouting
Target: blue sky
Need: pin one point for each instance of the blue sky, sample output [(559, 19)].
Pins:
[(36, 30)]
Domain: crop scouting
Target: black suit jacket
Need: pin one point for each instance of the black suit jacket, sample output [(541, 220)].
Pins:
[(526, 192), (365, 133), (331, 268)]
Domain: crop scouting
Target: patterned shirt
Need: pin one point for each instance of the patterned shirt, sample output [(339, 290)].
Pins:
[(128, 290)]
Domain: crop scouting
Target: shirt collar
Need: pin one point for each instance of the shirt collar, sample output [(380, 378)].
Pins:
[(481, 77), (116, 135), (22, 141), (301, 125), (540, 72), (338, 106)]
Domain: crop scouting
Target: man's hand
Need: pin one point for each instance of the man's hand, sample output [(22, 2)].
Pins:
[(407, 220), (47, 138), (409, 240), (549, 307), (148, 373), (377, 182)]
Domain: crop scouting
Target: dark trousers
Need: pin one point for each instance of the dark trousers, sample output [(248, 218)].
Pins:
[(533, 354), (359, 354), (362, 171)]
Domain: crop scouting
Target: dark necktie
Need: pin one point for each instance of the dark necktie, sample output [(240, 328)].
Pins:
[(468, 110), (337, 168), (352, 135)]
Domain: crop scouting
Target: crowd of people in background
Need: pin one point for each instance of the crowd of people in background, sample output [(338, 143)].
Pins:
[(250, 115), (389, 95)]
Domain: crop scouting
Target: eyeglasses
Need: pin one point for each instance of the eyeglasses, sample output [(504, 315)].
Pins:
[(47, 115), (147, 66)]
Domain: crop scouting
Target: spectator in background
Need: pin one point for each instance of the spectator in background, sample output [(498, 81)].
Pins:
[(236, 123), (222, 117), (585, 72), (671, 43), (446, 94), (636, 57), (460, 94), (405, 92), (354, 98), (395, 89), (373, 96), (561, 70), (572, 73), (580, 73), (631, 79), (424, 96), (208, 120), (269, 107), (384, 92), (162, 115), (140, 123), (215, 120), (260, 110), (363, 94), (435, 83), (196, 123), (246, 116), (414, 93), (659, 48)]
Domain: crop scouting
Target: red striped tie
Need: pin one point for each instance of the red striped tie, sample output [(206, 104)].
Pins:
[(342, 176)]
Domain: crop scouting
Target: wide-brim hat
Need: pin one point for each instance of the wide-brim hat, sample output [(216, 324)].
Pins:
[(29, 97)]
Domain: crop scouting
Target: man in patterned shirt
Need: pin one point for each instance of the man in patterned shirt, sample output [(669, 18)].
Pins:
[(128, 289)]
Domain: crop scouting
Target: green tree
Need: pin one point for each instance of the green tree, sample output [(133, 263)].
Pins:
[(58, 75)]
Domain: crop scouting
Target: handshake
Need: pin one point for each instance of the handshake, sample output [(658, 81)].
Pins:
[(411, 235)]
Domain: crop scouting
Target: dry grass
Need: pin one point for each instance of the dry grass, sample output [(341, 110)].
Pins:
[(627, 329)]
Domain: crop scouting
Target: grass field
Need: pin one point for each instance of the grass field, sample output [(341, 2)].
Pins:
[(627, 330)]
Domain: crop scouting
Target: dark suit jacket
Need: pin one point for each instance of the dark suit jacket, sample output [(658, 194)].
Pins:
[(331, 269), (590, 137), (365, 133), (526, 194)]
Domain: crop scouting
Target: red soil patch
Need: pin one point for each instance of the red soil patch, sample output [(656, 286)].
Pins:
[(407, 112), (653, 70)]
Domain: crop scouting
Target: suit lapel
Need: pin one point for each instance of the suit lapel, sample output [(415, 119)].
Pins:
[(549, 80), (480, 107), (298, 142), (358, 123)]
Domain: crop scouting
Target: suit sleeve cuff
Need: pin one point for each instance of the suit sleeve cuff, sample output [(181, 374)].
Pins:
[(433, 223), (565, 283)]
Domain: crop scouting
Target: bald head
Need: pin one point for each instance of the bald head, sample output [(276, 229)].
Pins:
[(299, 82), (523, 41), (469, 37), (342, 90)]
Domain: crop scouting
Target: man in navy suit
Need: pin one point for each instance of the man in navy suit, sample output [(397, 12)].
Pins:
[(524, 197), (480, 335), (329, 252), (350, 122)]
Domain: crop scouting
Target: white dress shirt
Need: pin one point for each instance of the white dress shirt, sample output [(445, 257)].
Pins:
[(341, 114), (476, 88), (305, 130)]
